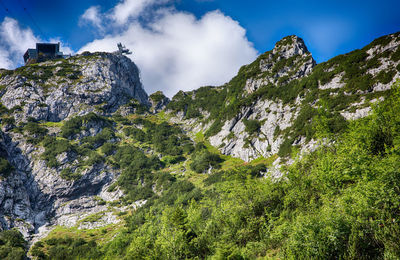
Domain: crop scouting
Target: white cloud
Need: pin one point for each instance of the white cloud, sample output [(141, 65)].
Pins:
[(5, 61), (92, 16), (177, 51), (14, 41), (131, 9)]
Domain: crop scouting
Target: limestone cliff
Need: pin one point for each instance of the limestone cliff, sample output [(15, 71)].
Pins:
[(71, 128), (270, 106), (36, 195), (56, 90)]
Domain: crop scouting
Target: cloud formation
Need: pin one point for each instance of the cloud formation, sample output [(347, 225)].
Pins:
[(131, 9), (14, 41), (92, 16), (177, 51)]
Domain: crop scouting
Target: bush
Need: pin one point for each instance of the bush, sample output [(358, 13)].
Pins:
[(66, 248), (252, 125), (54, 147), (108, 148), (5, 167), (135, 133), (68, 174), (93, 142), (157, 96), (12, 245), (79, 123), (35, 131), (204, 160), (8, 120)]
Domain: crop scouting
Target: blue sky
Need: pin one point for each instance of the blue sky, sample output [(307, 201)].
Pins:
[(328, 28)]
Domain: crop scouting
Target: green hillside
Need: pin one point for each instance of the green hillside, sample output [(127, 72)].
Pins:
[(341, 201)]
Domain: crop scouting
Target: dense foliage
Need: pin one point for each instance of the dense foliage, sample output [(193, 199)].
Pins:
[(339, 202), (12, 245), (204, 160)]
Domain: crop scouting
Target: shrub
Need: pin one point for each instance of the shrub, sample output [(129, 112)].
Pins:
[(5, 167), (35, 131), (79, 123), (252, 125), (157, 96), (54, 147), (12, 245), (204, 160), (135, 133), (108, 148), (68, 174), (8, 120)]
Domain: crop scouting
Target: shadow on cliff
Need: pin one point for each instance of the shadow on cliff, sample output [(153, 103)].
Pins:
[(22, 203)]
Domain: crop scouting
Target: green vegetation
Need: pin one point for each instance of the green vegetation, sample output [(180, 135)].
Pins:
[(157, 96), (66, 248), (80, 123), (53, 147), (167, 139), (68, 174), (225, 102), (5, 168), (12, 245), (8, 120), (339, 202), (203, 160), (252, 125), (34, 132)]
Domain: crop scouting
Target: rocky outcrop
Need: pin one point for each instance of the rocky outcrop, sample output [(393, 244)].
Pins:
[(234, 140), (289, 60), (158, 101), (34, 197), (282, 90), (56, 90)]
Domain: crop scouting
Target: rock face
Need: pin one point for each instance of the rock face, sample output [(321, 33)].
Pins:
[(54, 91), (289, 60), (268, 107), (280, 93), (34, 197), (158, 101)]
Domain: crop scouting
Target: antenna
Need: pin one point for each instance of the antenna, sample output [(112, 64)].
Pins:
[(122, 49), (31, 17), (5, 8)]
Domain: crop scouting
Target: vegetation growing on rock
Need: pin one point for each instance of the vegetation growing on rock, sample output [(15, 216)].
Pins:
[(117, 179)]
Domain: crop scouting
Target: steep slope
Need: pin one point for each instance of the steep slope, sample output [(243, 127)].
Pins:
[(91, 167), (270, 106), (54, 173)]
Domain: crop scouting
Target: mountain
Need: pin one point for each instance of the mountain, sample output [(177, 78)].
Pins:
[(70, 99), (93, 167), (268, 107)]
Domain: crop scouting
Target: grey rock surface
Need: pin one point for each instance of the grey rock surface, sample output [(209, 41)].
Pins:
[(34, 198), (54, 91)]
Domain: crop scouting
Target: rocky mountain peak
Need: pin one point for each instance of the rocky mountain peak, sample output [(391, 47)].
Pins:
[(290, 46), (289, 60), (58, 89), (158, 101)]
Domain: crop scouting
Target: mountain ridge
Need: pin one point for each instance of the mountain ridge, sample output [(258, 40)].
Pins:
[(357, 77), (82, 144)]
